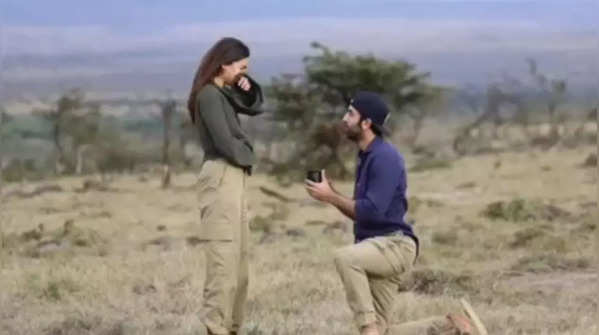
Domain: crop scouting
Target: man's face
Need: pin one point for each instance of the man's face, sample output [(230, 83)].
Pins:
[(233, 72), (352, 124)]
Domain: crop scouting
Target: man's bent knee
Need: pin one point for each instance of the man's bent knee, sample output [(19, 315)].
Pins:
[(341, 257)]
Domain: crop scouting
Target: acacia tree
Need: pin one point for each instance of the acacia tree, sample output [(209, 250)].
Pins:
[(339, 75), (309, 103), (307, 120)]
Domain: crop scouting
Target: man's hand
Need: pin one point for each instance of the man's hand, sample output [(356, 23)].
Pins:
[(244, 84), (324, 191), (320, 191)]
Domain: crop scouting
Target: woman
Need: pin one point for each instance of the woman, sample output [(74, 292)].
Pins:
[(221, 90)]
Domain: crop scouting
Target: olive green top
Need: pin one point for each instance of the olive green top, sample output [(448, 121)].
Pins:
[(217, 114)]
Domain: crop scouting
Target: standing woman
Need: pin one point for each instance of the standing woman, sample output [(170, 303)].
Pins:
[(221, 91)]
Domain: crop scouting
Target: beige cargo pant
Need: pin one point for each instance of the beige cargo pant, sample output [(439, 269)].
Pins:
[(224, 230), (371, 271)]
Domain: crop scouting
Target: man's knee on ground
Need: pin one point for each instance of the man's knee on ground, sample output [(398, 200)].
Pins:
[(243, 283), (342, 257)]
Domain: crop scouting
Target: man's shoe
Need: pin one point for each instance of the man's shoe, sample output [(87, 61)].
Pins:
[(458, 324), (370, 330)]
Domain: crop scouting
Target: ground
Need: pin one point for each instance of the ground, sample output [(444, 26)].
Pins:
[(514, 233)]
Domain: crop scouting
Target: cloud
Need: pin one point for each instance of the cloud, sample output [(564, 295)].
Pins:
[(294, 35), (43, 53)]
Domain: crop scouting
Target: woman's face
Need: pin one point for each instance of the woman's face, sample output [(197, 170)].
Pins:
[(231, 73)]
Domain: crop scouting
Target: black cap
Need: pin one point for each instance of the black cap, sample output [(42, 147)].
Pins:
[(371, 106)]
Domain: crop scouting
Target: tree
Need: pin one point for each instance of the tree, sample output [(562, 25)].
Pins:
[(307, 104), (86, 134), (5, 118), (496, 96), (168, 109), (74, 125), (298, 105), (340, 75), (552, 92)]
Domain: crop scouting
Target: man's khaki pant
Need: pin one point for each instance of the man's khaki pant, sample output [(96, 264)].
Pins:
[(370, 272), (224, 228)]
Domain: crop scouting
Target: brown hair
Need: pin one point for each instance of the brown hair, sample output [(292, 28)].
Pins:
[(226, 51)]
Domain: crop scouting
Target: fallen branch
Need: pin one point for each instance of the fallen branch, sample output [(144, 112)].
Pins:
[(275, 194)]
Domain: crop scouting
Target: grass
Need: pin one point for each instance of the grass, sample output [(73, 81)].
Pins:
[(551, 262), (533, 278), (430, 164), (521, 210)]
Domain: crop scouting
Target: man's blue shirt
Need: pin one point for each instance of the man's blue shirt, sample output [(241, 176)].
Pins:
[(380, 192)]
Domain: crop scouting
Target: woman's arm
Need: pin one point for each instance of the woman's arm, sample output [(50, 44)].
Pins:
[(212, 113)]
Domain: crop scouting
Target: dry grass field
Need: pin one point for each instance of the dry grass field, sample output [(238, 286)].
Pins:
[(514, 233)]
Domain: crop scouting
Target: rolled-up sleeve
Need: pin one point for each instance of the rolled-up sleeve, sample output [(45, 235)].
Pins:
[(382, 181), (250, 100)]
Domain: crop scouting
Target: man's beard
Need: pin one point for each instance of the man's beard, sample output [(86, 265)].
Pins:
[(353, 133)]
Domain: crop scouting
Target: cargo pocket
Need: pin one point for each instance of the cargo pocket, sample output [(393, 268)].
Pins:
[(209, 179), (212, 214), (397, 256)]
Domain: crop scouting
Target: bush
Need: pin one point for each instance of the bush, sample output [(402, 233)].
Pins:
[(430, 164), (414, 203), (550, 262), (523, 210), (18, 170), (523, 237), (447, 238), (54, 289), (591, 161), (439, 282)]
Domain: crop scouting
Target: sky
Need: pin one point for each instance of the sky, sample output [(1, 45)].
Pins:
[(51, 41), (142, 16)]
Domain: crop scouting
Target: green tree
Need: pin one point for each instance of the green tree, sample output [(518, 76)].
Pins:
[(339, 75), (306, 120), (74, 127), (309, 104)]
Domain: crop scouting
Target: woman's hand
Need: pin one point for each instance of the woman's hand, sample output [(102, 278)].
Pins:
[(244, 84)]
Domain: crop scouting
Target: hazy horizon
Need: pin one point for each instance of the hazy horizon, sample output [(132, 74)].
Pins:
[(138, 46)]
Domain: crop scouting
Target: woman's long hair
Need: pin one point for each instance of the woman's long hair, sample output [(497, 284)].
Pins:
[(226, 51)]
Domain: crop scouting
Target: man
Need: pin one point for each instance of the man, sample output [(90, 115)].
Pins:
[(385, 245)]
